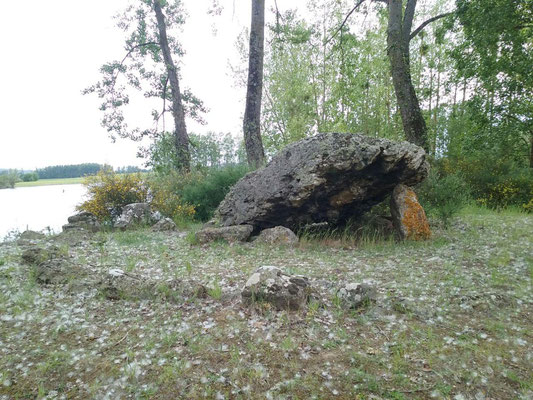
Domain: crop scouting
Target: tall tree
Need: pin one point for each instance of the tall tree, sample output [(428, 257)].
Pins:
[(181, 139), (148, 66), (499, 61), (399, 35), (252, 114)]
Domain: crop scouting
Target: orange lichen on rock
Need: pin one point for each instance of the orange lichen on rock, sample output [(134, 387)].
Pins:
[(414, 218), (408, 215)]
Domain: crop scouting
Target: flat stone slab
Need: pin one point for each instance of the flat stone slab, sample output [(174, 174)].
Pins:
[(237, 233)]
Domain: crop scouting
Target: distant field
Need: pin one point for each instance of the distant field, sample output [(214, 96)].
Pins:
[(45, 182)]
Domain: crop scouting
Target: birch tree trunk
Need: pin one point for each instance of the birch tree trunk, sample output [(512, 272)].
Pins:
[(181, 139), (252, 114)]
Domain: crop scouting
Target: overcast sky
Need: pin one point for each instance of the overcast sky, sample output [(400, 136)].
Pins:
[(51, 50)]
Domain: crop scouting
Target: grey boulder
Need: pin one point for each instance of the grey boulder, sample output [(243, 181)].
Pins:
[(82, 221), (329, 177), (164, 225), (271, 285), (277, 236), (357, 295), (134, 215)]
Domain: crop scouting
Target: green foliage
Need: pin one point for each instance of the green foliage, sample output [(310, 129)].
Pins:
[(210, 150), (70, 171), (499, 183), (196, 194), (443, 195), (497, 63), (30, 177), (206, 190), (492, 182), (166, 198), (142, 71), (8, 179)]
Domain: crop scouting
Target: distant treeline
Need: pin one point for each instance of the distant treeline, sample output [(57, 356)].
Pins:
[(79, 170)]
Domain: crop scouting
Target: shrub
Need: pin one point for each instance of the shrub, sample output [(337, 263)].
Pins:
[(443, 196), (165, 189), (494, 182), (8, 179), (206, 190), (109, 192), (30, 177)]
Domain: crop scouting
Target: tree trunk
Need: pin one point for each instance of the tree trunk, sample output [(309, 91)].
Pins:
[(414, 125), (181, 139), (252, 113), (531, 150)]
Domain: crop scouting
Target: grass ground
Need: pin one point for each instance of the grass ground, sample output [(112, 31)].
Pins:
[(454, 319), (45, 182)]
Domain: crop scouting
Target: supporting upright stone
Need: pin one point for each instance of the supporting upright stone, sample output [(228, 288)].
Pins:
[(408, 215)]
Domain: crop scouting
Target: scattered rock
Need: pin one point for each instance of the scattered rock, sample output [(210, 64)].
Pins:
[(118, 284), (30, 236), (36, 255), (278, 235), (270, 284), (82, 221), (164, 225), (357, 295), (237, 233), (133, 215), (408, 215), (156, 216), (121, 285), (56, 271), (328, 177)]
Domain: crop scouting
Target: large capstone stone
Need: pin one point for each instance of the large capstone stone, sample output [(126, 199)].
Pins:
[(271, 285), (326, 178)]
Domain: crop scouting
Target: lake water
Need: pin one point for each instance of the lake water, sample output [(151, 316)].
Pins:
[(38, 207)]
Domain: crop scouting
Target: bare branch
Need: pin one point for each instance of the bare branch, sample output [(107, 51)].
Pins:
[(429, 21), (343, 22)]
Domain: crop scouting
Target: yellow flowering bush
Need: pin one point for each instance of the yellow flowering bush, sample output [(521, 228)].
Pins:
[(108, 192), (170, 204), (505, 194), (494, 182)]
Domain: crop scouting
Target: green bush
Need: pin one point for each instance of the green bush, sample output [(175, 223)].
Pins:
[(30, 177), (8, 179), (494, 182), (443, 196), (206, 190), (165, 189)]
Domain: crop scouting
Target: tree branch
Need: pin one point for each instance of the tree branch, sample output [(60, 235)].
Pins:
[(344, 22), (408, 20), (131, 50), (429, 21)]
